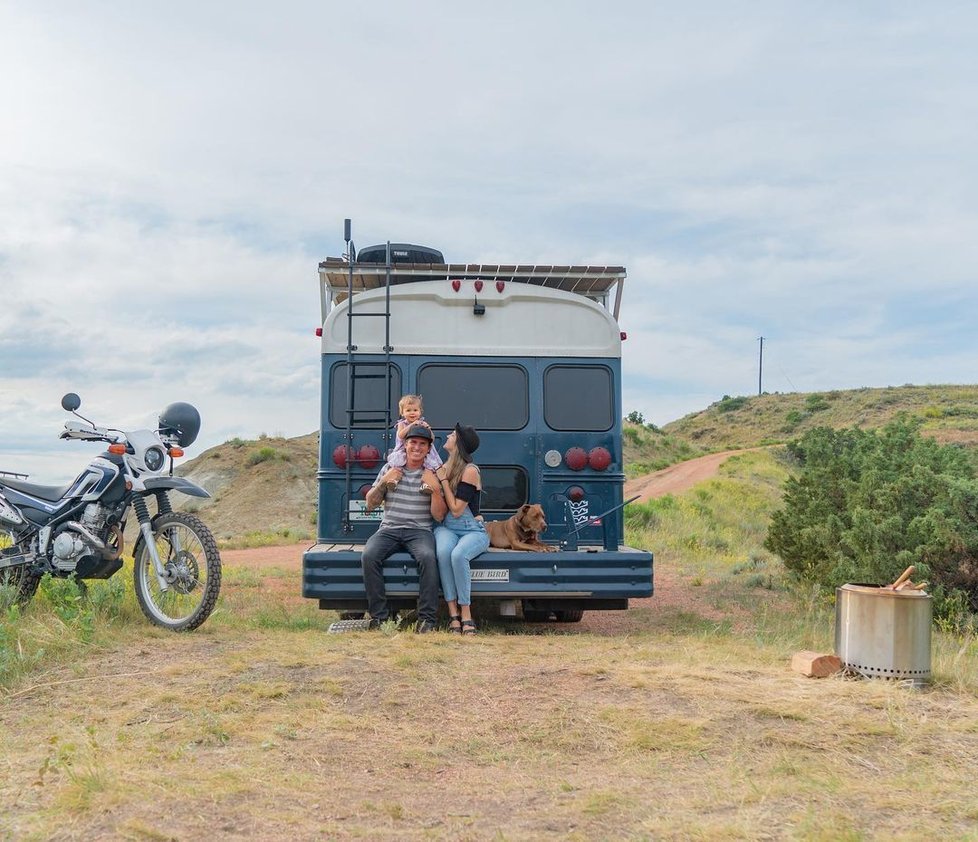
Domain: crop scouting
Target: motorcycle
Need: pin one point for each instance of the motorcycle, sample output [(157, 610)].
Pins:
[(77, 530)]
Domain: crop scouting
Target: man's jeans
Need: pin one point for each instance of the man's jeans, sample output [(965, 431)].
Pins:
[(420, 543)]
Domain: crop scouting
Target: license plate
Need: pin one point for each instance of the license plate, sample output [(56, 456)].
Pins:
[(358, 512)]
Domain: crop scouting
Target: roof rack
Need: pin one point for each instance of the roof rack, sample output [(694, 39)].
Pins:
[(595, 282)]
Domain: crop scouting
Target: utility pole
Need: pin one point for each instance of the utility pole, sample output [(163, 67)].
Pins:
[(760, 364)]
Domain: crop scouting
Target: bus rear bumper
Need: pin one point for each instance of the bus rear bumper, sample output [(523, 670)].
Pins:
[(588, 579)]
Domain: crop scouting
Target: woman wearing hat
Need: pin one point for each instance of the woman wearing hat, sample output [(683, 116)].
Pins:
[(461, 535)]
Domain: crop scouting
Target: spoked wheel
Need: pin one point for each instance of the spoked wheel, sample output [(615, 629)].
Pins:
[(191, 573), (21, 580)]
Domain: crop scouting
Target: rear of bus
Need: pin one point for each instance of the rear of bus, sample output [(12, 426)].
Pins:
[(535, 368)]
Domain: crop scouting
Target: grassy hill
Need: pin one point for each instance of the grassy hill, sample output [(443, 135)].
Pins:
[(265, 490), (949, 413)]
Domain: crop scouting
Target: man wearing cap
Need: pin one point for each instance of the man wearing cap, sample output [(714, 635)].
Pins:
[(410, 508)]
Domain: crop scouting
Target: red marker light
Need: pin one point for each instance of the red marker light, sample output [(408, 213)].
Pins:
[(478, 286), (575, 458), (575, 494), (623, 336), (599, 458), (341, 453), (500, 286), (319, 331), (368, 456), (456, 285)]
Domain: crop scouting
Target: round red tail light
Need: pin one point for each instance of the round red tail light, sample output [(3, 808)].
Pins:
[(368, 456), (575, 458), (599, 458), (575, 494), (362, 491), (341, 453)]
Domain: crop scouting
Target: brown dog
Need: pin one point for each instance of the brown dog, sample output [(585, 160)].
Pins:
[(520, 531)]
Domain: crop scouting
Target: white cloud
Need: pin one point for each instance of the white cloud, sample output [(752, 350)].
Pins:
[(170, 182)]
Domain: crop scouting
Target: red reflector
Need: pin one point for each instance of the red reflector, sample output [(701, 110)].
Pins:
[(117, 449), (362, 491), (340, 454), (319, 331), (623, 336), (575, 494), (368, 456), (500, 286), (456, 285), (599, 458), (176, 452), (575, 458), (478, 286)]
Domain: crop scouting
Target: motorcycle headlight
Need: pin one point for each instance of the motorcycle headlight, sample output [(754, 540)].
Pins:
[(154, 457)]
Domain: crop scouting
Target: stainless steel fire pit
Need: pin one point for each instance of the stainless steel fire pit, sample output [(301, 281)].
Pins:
[(883, 633)]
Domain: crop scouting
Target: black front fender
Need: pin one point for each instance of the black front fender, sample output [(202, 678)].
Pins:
[(185, 486)]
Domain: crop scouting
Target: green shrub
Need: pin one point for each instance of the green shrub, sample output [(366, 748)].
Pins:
[(264, 454), (729, 404), (816, 403), (867, 504)]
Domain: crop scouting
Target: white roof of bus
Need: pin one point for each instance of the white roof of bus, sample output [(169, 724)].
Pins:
[(595, 282), (433, 318)]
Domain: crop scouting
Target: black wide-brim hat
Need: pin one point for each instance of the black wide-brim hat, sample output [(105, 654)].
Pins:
[(466, 441)]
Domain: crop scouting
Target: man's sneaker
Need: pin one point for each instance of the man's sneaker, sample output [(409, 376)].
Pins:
[(425, 626)]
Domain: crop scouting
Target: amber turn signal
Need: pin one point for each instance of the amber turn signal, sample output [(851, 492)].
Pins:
[(118, 449), (176, 452)]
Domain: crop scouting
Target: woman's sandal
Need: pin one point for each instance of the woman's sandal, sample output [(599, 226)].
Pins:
[(468, 627), (452, 628)]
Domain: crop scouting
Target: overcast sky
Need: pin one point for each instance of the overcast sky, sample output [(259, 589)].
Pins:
[(171, 174)]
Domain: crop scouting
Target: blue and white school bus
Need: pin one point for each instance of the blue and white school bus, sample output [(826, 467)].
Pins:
[(528, 355)]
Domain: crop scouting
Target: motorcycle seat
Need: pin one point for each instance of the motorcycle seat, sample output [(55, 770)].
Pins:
[(51, 493)]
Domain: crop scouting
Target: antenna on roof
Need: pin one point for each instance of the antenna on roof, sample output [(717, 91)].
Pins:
[(351, 252)]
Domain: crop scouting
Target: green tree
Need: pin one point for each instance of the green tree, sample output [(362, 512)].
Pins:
[(867, 504)]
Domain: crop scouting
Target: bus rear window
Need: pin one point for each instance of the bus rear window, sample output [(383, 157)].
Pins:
[(503, 488), (489, 397), (371, 405), (578, 397)]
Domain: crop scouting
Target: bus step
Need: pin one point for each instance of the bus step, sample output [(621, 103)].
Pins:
[(341, 626)]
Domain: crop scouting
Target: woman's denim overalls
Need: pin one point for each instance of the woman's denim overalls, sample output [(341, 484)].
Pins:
[(457, 541)]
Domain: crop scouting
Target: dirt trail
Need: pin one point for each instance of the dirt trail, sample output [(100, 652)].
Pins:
[(677, 478)]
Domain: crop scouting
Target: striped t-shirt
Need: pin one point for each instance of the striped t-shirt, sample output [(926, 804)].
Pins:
[(406, 505)]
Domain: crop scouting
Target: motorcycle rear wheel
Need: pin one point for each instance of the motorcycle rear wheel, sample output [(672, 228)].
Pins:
[(192, 566), (21, 580)]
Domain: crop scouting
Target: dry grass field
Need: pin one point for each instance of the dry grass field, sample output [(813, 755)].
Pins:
[(679, 719), (674, 726)]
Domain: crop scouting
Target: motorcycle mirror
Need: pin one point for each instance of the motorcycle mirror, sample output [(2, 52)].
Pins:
[(70, 402)]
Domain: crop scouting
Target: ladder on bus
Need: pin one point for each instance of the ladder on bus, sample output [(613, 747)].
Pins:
[(361, 371)]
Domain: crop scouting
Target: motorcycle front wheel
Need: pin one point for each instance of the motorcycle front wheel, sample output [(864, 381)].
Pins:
[(191, 570)]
